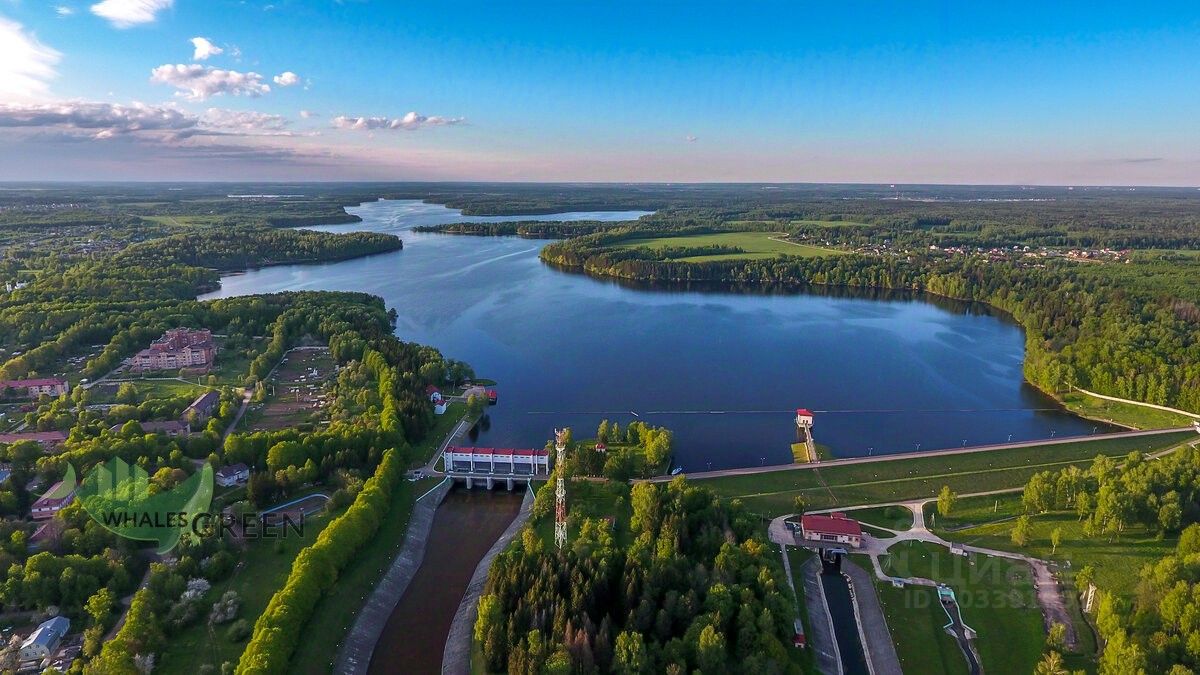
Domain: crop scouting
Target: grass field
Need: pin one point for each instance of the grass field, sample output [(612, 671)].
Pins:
[(772, 494), (891, 517), (1139, 417), (997, 600), (973, 511), (442, 425), (335, 613), (756, 245), (830, 223), (915, 620)]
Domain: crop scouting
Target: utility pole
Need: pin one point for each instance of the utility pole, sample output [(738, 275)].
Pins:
[(560, 490)]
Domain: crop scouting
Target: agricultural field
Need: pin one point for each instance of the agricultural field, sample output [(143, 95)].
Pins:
[(296, 390), (754, 246)]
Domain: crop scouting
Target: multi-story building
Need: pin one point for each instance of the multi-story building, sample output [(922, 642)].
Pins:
[(34, 387), (177, 348)]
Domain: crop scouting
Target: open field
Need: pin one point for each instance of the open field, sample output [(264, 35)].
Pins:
[(831, 485), (973, 511), (1124, 414), (996, 596), (297, 390), (264, 567), (231, 365), (336, 611), (891, 517), (755, 245)]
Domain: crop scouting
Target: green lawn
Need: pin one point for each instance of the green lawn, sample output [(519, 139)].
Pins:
[(830, 223), (756, 245), (262, 571), (915, 620), (442, 425), (971, 511), (996, 596), (891, 517), (335, 613), (1136, 416), (771, 494)]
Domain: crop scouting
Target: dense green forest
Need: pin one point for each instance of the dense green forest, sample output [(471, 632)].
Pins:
[(685, 586)]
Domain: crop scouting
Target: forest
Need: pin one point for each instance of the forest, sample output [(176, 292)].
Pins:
[(687, 585)]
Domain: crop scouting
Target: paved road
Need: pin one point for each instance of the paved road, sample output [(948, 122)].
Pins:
[(246, 395), (752, 470), (1177, 411), (461, 428)]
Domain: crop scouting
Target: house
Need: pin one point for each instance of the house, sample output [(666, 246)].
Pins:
[(46, 505), (47, 439), (203, 407), (433, 393), (439, 406), (34, 388), (834, 528), (45, 534), (600, 447), (43, 641), (234, 474), (177, 348)]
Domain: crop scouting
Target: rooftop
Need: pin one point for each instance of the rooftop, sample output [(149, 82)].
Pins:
[(836, 523)]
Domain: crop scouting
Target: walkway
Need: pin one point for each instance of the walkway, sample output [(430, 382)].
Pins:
[(822, 642), (873, 629), (753, 470), (1164, 408), (456, 656), (464, 425), (355, 655)]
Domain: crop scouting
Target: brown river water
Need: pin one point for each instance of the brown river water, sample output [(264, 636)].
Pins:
[(465, 526)]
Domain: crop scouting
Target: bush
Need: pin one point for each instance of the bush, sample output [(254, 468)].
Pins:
[(238, 631)]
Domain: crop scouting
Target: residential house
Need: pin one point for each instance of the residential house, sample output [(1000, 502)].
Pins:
[(202, 408), (234, 474), (44, 641), (47, 439), (177, 348)]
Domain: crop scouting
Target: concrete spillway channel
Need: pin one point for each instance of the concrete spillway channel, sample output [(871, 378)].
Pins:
[(851, 636), (962, 633)]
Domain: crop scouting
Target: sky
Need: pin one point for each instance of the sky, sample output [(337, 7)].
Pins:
[(1059, 93)]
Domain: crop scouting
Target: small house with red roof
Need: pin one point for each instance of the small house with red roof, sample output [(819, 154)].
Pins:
[(433, 393), (834, 528)]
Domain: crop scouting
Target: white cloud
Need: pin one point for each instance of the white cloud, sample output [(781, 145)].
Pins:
[(690, 138), (99, 120), (204, 48), (162, 123), (63, 10), (196, 82), (25, 64), (410, 121), (308, 114), (126, 13), (246, 122), (287, 78)]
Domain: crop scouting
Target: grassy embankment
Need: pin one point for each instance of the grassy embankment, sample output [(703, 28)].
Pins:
[(335, 613), (997, 600), (754, 245), (772, 494), (1123, 414)]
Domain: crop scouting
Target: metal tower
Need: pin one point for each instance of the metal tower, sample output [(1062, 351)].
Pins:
[(560, 490)]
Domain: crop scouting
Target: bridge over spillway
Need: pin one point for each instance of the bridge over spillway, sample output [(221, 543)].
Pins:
[(489, 466)]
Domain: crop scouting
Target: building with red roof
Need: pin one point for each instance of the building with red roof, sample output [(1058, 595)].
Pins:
[(35, 387), (834, 528), (46, 506)]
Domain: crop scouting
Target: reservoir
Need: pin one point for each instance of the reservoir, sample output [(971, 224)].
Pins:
[(724, 368)]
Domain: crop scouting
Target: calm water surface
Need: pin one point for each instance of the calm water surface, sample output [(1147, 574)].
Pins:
[(724, 370)]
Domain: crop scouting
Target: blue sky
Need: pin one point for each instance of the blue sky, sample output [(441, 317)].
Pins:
[(1059, 93)]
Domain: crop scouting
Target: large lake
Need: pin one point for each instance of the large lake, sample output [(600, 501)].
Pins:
[(725, 370)]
